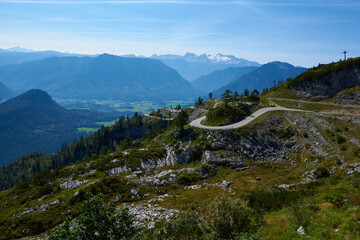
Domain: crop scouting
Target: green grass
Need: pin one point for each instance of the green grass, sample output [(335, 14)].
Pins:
[(321, 106), (87, 129), (224, 115), (280, 91), (109, 123), (351, 90)]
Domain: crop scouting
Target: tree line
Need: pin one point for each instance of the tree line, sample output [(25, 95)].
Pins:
[(104, 140)]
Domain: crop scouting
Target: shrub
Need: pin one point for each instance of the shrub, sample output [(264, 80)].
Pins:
[(356, 184), (266, 200), (357, 200), (97, 221), (208, 171), (230, 217), (335, 198), (339, 139), (321, 172), (188, 178), (184, 228), (300, 213)]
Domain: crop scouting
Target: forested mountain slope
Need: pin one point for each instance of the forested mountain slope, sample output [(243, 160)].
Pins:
[(32, 122)]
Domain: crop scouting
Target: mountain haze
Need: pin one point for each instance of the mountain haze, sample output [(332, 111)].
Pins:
[(19, 55), (5, 92), (263, 77), (192, 66), (103, 77), (217, 79)]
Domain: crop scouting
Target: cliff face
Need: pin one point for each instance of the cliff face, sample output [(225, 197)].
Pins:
[(325, 82), (351, 97)]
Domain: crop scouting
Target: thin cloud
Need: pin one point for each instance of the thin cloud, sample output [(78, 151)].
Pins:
[(119, 2), (70, 20), (299, 3), (247, 4)]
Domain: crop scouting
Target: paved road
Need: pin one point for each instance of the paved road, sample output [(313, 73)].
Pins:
[(258, 113)]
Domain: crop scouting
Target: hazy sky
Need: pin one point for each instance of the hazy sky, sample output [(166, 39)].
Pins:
[(299, 32)]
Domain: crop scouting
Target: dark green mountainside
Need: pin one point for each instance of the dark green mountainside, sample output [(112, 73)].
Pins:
[(105, 140), (217, 79), (32, 122), (103, 77)]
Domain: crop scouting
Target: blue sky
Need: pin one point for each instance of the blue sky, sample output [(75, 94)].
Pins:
[(299, 32)]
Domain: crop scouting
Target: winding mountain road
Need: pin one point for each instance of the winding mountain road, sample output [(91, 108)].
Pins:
[(252, 117)]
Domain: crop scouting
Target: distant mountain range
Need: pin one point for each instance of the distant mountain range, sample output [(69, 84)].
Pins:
[(19, 55), (262, 77), (189, 66), (32, 122), (217, 79), (192, 66), (103, 77), (5, 92)]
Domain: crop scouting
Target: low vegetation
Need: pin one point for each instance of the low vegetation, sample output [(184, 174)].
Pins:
[(321, 71), (224, 115)]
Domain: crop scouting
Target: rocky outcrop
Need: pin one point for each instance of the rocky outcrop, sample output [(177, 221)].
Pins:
[(147, 215), (270, 145), (225, 185), (181, 156), (118, 170), (326, 84), (164, 178), (70, 184), (352, 98), (228, 159), (151, 164)]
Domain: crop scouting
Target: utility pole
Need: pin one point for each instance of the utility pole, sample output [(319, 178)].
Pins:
[(345, 52), (274, 83)]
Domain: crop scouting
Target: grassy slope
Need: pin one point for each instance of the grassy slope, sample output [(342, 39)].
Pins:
[(284, 90), (321, 71), (324, 216)]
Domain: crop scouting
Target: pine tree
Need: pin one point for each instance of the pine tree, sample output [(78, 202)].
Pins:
[(226, 96)]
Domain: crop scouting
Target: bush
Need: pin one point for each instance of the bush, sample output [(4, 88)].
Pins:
[(339, 139), (228, 218), (188, 178), (300, 214), (335, 198), (266, 200), (185, 228), (208, 171), (321, 172), (97, 221)]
